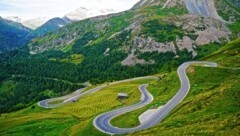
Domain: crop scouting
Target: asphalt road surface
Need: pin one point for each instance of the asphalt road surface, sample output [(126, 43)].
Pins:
[(102, 122)]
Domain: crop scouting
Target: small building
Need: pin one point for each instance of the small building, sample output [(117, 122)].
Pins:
[(122, 95)]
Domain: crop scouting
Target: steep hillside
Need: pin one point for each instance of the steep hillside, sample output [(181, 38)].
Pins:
[(213, 103), (212, 100), (12, 35), (211, 107), (231, 50)]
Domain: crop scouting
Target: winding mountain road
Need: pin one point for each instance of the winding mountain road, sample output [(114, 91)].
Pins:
[(79, 93), (102, 122)]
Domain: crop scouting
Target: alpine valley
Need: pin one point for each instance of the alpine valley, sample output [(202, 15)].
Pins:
[(87, 52)]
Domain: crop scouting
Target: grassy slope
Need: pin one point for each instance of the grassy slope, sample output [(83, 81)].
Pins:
[(221, 79), (72, 119), (211, 107), (228, 56)]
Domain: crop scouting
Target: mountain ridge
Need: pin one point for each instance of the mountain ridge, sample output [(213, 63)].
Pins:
[(12, 35)]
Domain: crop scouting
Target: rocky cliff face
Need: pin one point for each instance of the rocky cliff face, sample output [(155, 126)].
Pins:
[(203, 8)]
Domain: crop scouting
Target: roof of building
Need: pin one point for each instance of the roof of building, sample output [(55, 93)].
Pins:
[(122, 94)]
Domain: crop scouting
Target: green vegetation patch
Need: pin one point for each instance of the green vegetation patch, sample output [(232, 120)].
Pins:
[(6, 86), (228, 55), (48, 127), (235, 28), (161, 31), (21, 91), (205, 50), (230, 3), (158, 11), (75, 59), (67, 48)]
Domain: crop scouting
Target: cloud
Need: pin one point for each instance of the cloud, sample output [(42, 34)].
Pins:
[(57, 8)]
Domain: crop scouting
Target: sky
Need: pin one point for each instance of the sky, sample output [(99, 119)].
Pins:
[(30, 9)]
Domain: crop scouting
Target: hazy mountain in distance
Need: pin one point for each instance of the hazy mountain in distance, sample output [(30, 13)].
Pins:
[(55, 23), (35, 23), (83, 13), (78, 14)]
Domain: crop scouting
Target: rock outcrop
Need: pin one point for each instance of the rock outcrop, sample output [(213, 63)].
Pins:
[(150, 45), (203, 8), (186, 43), (132, 60)]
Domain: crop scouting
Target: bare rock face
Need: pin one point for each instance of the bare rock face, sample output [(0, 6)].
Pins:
[(206, 30), (209, 35), (132, 60), (147, 45), (172, 3), (150, 45), (102, 26), (106, 53), (203, 8), (186, 43)]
